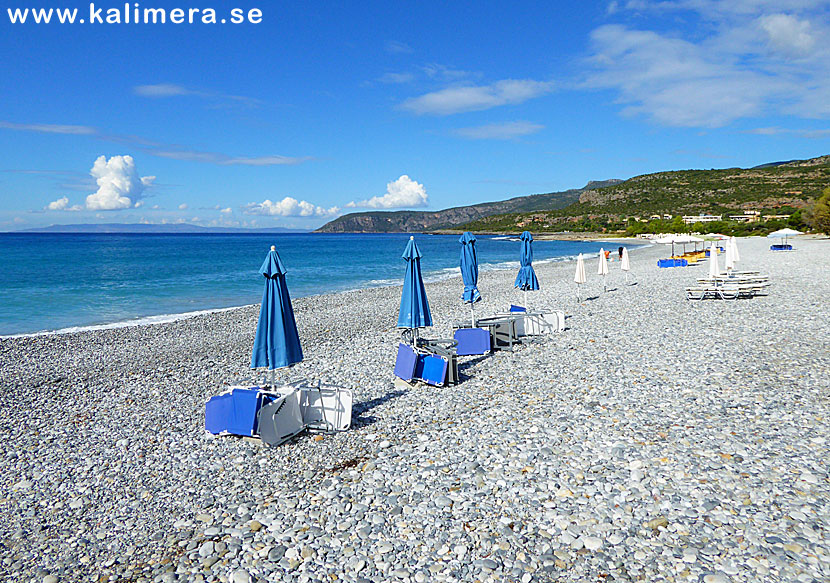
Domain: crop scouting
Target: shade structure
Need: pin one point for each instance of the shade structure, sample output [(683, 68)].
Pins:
[(714, 270), (414, 312), (277, 343), (469, 272), (736, 256), (729, 260), (602, 269), (625, 262), (526, 278), (579, 276), (784, 234), (469, 268)]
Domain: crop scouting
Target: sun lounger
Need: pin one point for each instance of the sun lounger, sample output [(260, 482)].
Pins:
[(433, 361), (446, 349), (280, 418), (405, 362), (234, 412), (472, 341), (672, 263), (535, 323), (726, 291), (502, 330), (326, 407)]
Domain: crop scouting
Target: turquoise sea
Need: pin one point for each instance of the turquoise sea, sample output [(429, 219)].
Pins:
[(64, 281)]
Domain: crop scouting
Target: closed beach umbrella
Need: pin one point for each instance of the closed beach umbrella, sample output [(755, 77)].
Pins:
[(714, 270), (602, 269), (469, 272), (729, 260), (414, 312), (276, 343), (526, 278), (579, 276), (625, 263), (735, 255)]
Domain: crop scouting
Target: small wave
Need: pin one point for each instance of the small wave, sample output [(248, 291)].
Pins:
[(144, 321)]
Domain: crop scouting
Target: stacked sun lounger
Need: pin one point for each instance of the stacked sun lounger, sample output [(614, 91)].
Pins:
[(738, 284), (276, 415), (536, 322), (431, 361)]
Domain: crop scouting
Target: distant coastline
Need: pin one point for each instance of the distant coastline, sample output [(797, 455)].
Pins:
[(138, 228)]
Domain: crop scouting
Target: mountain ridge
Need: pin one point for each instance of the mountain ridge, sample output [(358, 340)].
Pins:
[(407, 221)]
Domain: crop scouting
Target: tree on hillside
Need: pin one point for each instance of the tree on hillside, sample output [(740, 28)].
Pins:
[(820, 213)]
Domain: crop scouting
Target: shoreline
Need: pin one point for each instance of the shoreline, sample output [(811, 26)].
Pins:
[(152, 319)]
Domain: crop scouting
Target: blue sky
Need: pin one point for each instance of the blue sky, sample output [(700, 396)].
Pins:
[(324, 109)]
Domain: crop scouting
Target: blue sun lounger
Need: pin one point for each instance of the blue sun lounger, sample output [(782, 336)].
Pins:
[(233, 412)]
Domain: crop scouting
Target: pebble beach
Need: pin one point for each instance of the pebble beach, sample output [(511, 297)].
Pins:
[(655, 439)]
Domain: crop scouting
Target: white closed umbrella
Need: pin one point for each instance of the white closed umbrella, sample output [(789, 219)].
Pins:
[(729, 261), (735, 255), (579, 276), (625, 263), (602, 269), (714, 270)]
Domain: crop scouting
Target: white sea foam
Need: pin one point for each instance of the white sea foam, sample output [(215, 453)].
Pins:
[(144, 321)]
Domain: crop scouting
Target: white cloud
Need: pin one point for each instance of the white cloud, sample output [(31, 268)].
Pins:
[(499, 131), (397, 78), (397, 47), (227, 210), (788, 34), (744, 59), (674, 81), (47, 128), (119, 185), (62, 204), (183, 206), (400, 193), (224, 160), (288, 207), (477, 98), (161, 90)]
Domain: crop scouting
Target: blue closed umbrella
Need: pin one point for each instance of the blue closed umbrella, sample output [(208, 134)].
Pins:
[(526, 278), (414, 312), (469, 271), (277, 343)]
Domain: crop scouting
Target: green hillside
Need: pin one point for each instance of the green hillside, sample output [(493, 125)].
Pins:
[(781, 188)]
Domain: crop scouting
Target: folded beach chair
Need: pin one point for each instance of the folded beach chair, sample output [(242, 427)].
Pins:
[(405, 362), (502, 330), (280, 418), (326, 408), (234, 412), (472, 341)]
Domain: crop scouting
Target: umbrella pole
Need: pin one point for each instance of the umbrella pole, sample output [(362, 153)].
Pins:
[(472, 316)]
